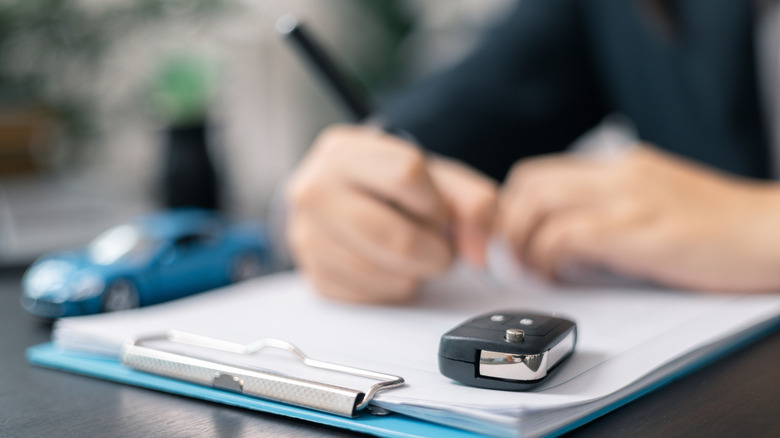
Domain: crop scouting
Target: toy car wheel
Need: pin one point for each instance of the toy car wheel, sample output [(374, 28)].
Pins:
[(120, 295), (246, 267)]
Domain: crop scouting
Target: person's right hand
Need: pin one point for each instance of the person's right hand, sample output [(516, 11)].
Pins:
[(372, 216)]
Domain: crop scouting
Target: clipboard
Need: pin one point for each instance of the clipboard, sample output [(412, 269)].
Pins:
[(717, 326), (391, 426), (102, 367)]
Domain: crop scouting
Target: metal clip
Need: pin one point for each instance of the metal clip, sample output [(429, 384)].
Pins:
[(263, 384)]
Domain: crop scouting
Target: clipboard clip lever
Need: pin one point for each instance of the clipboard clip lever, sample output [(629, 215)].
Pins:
[(264, 384)]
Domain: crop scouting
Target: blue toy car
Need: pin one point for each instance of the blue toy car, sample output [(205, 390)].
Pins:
[(151, 259)]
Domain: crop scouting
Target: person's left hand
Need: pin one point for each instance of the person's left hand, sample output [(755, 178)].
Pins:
[(645, 214)]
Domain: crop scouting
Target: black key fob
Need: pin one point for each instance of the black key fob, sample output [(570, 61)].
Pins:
[(509, 350)]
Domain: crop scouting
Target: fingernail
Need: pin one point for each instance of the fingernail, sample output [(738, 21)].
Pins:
[(472, 244)]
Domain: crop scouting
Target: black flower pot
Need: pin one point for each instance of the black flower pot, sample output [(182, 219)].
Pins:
[(189, 177)]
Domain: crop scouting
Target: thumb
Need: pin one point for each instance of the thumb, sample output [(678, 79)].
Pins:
[(472, 199)]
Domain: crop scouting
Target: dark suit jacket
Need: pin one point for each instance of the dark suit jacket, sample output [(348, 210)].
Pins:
[(555, 68)]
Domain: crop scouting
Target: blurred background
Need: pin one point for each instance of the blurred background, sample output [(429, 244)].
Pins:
[(95, 93)]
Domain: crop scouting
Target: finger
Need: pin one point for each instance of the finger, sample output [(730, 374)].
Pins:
[(523, 213), (339, 273), (384, 236), (617, 236), (543, 173), (576, 235), (554, 186), (386, 166), (530, 169), (472, 199)]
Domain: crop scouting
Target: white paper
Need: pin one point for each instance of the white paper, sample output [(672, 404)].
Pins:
[(627, 338)]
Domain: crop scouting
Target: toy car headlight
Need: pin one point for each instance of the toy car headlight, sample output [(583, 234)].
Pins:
[(87, 287), (45, 277)]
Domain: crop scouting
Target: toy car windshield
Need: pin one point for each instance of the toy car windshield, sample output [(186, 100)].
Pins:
[(120, 242)]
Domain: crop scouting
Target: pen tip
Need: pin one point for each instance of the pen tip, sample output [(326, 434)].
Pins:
[(286, 24)]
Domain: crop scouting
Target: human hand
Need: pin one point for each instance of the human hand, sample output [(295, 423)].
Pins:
[(646, 214), (372, 216)]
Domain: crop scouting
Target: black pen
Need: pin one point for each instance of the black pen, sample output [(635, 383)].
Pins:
[(335, 80)]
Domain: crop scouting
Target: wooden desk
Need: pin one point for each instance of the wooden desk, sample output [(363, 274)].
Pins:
[(736, 396)]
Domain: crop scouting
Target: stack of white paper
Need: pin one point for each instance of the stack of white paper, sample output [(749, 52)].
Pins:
[(629, 339)]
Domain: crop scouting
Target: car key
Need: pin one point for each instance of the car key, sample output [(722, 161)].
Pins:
[(508, 350)]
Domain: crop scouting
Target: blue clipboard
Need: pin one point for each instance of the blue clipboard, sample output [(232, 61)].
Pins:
[(395, 425), (102, 367)]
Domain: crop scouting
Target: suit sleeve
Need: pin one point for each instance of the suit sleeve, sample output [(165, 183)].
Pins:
[(528, 89)]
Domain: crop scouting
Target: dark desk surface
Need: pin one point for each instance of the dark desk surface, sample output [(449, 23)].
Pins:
[(736, 396)]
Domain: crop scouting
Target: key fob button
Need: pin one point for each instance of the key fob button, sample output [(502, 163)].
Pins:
[(498, 318)]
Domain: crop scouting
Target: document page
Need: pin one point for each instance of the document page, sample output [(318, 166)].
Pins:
[(628, 338)]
